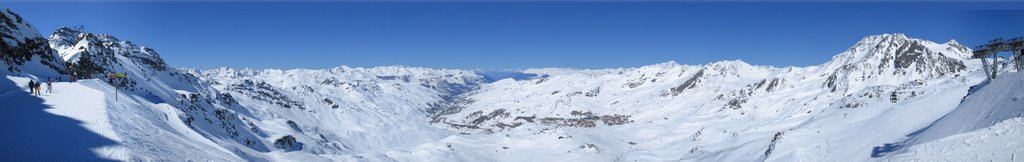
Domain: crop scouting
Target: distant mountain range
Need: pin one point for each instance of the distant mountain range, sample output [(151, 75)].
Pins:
[(888, 97)]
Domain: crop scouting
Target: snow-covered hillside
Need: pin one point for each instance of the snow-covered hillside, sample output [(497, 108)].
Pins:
[(153, 112), (889, 97), (345, 111), (24, 49), (986, 125), (730, 110)]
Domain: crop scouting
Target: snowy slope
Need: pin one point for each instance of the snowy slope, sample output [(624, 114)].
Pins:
[(840, 110), (208, 112), (23, 49), (987, 121), (730, 110), (95, 120), (345, 111), (120, 127)]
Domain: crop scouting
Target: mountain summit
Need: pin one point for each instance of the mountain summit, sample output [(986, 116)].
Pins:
[(894, 58)]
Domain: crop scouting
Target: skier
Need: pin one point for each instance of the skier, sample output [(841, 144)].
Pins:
[(31, 87), (49, 86), (38, 88)]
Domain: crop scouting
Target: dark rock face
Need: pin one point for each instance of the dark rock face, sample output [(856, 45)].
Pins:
[(100, 55), (294, 126), (927, 61), (771, 146), (331, 103), (288, 143), (18, 48), (265, 92), (212, 113), (771, 86), (893, 55), (23, 51), (689, 84)]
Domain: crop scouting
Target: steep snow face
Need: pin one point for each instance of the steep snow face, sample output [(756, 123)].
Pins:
[(210, 114), (345, 111), (15, 29), (94, 55), (992, 110), (892, 59), (151, 113), (70, 42), (23, 48)]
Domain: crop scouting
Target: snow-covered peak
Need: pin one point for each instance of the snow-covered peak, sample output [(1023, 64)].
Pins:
[(878, 49), (73, 43), (668, 64), (735, 68), (887, 36), (730, 65), (24, 49), (65, 36), (957, 50), (15, 29), (869, 49), (892, 59)]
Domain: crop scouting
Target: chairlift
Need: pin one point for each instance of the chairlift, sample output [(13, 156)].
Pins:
[(894, 97)]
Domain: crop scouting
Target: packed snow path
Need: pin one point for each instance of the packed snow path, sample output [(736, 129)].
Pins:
[(34, 126), (83, 121)]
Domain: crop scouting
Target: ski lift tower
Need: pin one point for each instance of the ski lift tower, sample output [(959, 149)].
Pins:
[(1016, 45), (990, 49)]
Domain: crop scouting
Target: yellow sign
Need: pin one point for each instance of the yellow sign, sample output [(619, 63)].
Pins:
[(122, 75)]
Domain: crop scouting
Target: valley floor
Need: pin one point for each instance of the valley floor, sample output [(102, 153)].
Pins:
[(88, 120)]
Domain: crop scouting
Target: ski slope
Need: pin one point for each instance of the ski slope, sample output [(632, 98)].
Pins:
[(887, 98), (86, 116), (986, 125)]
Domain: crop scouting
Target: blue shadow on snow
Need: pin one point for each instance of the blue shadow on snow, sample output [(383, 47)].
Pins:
[(32, 134)]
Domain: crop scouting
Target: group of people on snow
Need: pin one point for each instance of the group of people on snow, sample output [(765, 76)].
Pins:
[(35, 87)]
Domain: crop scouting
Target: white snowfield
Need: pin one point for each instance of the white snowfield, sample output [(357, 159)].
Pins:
[(987, 126), (887, 98)]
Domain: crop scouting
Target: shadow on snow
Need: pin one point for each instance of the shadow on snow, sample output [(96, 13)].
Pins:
[(32, 134)]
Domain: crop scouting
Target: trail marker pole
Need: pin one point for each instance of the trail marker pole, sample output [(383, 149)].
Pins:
[(121, 75)]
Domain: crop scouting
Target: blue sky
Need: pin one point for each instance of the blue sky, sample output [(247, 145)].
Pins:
[(516, 35)]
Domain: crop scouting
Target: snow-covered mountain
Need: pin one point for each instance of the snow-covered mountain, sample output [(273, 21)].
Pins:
[(24, 48), (345, 110), (889, 97), (730, 110), (153, 112)]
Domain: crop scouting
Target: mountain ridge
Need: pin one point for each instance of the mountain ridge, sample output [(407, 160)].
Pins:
[(878, 91)]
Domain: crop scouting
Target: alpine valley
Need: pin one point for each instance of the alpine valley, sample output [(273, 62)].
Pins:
[(888, 97)]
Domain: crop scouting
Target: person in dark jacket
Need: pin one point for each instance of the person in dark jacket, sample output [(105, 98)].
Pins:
[(32, 87)]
